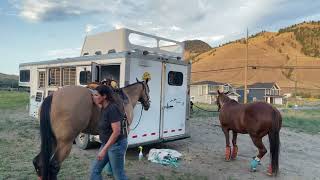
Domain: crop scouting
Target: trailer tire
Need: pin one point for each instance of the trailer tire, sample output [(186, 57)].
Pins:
[(83, 141)]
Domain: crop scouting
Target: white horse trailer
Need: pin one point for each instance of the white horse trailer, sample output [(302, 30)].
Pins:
[(123, 55)]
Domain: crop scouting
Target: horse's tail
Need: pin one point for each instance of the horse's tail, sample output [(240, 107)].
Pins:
[(274, 140), (47, 137)]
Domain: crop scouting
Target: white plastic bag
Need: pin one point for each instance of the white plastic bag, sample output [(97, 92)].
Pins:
[(164, 156)]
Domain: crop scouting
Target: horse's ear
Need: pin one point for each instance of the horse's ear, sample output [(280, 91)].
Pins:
[(137, 80), (147, 80), (227, 93), (218, 91)]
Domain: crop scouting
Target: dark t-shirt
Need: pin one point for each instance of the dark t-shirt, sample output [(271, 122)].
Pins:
[(109, 115)]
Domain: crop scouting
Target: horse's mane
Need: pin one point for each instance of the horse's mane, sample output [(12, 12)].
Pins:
[(228, 100), (233, 101), (131, 85)]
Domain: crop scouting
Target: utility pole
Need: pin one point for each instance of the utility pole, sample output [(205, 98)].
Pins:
[(296, 79), (246, 71)]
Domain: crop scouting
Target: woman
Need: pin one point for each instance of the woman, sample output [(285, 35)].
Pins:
[(113, 138)]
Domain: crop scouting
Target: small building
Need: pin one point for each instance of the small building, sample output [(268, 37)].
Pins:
[(267, 92), (206, 91)]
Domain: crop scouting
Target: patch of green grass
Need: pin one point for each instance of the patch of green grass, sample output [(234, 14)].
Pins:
[(12, 99), (302, 120), (203, 110)]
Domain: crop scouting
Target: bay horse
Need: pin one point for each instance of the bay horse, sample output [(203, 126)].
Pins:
[(257, 119), (65, 114)]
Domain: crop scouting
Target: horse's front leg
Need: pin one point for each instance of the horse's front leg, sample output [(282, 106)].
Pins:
[(234, 144), (262, 151), (228, 148)]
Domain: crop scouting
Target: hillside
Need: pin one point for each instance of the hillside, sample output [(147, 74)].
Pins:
[(8, 80), (195, 48), (295, 45)]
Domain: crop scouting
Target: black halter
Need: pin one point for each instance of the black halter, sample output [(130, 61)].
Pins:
[(145, 91)]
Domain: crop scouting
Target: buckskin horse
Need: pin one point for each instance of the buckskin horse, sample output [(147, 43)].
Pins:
[(65, 114), (257, 119)]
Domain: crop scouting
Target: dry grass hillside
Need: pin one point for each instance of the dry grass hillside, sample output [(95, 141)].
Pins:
[(195, 48), (269, 55)]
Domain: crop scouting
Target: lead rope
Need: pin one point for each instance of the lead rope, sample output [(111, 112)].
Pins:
[(139, 119)]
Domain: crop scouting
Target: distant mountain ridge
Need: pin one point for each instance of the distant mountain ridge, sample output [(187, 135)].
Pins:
[(8, 80)]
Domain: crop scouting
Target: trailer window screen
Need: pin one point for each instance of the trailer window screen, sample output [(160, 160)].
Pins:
[(175, 78), (69, 76), (54, 77), (42, 79), (85, 77), (38, 96), (24, 75)]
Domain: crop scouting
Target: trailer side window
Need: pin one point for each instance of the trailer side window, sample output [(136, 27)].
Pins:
[(54, 77), (175, 78), (69, 76), (85, 77), (42, 78), (25, 76)]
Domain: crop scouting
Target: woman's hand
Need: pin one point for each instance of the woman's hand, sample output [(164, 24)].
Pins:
[(101, 154)]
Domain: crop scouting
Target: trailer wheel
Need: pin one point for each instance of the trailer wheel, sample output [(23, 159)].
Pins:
[(83, 141)]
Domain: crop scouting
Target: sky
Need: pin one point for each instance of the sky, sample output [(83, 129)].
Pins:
[(38, 30)]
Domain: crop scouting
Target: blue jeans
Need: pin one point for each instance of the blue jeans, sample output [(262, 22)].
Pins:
[(115, 157)]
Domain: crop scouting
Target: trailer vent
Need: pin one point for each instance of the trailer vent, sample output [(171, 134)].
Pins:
[(98, 53), (111, 51), (38, 96)]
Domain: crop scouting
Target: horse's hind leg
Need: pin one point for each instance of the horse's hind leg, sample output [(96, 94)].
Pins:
[(62, 151), (234, 143), (228, 148), (262, 151)]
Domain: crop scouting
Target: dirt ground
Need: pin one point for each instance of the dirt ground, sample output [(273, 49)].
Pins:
[(203, 154)]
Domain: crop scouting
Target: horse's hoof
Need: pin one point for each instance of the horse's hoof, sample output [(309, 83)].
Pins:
[(234, 152), (269, 171), (228, 153)]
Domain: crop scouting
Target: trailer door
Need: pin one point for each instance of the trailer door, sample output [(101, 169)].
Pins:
[(174, 100), (145, 126)]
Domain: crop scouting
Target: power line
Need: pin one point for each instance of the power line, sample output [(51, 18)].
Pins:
[(215, 70), (261, 67), (284, 67)]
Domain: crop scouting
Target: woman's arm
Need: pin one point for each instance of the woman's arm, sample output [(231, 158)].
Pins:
[(116, 130)]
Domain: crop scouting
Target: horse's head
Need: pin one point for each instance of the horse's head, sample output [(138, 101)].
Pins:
[(51, 172), (221, 99), (144, 97)]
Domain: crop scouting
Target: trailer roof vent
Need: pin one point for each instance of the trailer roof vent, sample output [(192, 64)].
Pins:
[(98, 53), (111, 51)]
